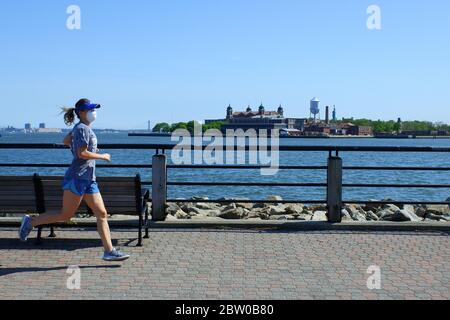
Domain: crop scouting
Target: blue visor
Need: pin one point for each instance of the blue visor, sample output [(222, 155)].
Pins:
[(88, 106)]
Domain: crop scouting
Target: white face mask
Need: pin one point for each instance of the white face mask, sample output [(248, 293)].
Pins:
[(91, 116)]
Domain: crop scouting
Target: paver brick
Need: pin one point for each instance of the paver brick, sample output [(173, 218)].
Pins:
[(229, 264)]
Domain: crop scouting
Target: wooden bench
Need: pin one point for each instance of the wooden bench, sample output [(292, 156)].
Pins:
[(122, 195), (17, 195)]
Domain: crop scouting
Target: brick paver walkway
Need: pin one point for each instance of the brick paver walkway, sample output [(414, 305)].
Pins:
[(230, 264)]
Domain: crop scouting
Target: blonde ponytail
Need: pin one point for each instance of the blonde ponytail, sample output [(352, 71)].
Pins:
[(69, 115)]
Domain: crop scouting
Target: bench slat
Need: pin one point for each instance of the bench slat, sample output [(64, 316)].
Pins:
[(16, 178), (19, 195)]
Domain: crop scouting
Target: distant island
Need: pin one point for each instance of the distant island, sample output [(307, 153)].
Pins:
[(13, 130), (312, 126)]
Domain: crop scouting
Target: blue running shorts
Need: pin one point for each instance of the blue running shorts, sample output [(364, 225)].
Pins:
[(81, 187)]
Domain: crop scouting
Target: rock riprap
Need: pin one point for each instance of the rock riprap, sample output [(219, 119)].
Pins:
[(241, 209)]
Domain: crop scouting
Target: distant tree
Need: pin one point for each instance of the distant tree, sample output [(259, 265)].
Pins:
[(394, 126), (213, 125), (418, 126), (190, 126), (442, 126), (362, 122), (179, 125), (378, 126), (161, 127)]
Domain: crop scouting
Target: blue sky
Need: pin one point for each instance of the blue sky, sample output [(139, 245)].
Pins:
[(182, 60)]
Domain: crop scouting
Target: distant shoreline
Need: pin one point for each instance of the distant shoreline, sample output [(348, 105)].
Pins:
[(155, 134)]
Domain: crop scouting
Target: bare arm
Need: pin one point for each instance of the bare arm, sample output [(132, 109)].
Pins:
[(84, 154), (68, 139)]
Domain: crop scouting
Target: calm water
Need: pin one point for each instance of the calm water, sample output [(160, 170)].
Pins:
[(286, 158)]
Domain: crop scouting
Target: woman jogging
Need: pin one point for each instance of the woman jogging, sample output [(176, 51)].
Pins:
[(80, 181)]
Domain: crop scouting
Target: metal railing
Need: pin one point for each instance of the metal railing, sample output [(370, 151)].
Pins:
[(333, 185)]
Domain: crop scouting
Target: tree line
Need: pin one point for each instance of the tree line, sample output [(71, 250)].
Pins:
[(166, 127), (395, 126), (377, 125)]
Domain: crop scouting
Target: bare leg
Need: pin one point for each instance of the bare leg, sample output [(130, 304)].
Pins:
[(95, 202), (71, 202)]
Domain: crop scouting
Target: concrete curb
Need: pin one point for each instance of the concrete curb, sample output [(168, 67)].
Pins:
[(245, 224)]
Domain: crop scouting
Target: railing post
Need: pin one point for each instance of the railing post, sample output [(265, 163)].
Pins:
[(334, 189), (159, 187)]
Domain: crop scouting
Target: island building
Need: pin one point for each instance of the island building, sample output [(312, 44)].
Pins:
[(41, 129), (350, 129), (315, 127), (276, 120), (48, 130), (314, 110), (260, 119)]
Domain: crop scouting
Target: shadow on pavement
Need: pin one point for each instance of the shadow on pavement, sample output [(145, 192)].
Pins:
[(8, 271)]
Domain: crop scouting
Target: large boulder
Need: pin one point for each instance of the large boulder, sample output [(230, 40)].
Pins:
[(172, 208), (232, 212), (437, 209), (370, 215), (403, 215), (374, 205), (206, 206), (391, 207), (213, 213), (180, 214), (352, 208), (170, 217), (409, 207), (317, 207), (436, 217), (421, 212), (320, 216), (345, 216), (358, 216), (294, 209), (186, 206), (193, 211), (277, 210), (385, 214), (253, 214), (356, 212), (245, 205), (303, 217)]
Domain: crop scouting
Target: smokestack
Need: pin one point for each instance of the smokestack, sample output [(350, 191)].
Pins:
[(327, 114)]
